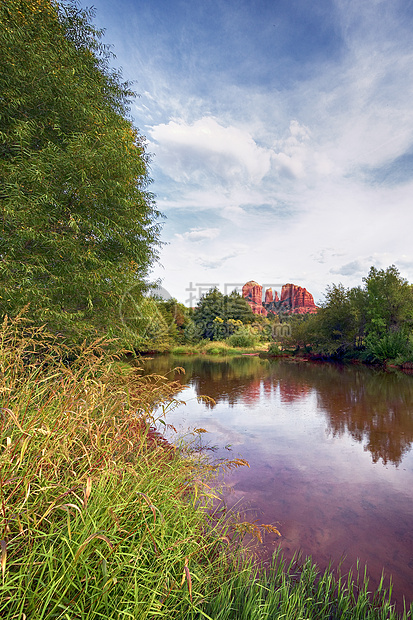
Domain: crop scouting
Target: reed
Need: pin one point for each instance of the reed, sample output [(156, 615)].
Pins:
[(98, 516), (297, 591)]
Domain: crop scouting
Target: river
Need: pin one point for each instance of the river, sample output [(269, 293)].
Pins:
[(329, 449)]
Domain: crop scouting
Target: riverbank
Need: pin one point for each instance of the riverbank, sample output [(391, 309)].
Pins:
[(405, 367), (102, 518), (214, 348), (270, 350)]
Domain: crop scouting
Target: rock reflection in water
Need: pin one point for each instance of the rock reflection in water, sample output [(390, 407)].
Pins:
[(375, 407), (330, 454)]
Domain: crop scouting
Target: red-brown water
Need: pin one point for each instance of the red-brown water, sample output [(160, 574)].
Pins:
[(330, 456)]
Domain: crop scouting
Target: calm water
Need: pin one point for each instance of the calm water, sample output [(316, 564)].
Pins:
[(329, 449)]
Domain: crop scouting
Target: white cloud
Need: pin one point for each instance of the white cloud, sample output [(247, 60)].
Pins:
[(206, 150), (217, 262), (198, 234), (356, 267), (278, 172)]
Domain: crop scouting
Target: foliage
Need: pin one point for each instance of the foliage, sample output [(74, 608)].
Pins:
[(274, 349), (389, 301), (297, 590), (268, 327), (296, 331), (159, 323), (217, 316), (336, 325), (176, 315), (237, 308), (392, 345), (225, 329), (373, 322), (242, 338), (79, 228), (221, 348)]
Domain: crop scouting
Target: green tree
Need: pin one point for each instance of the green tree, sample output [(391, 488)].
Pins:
[(373, 322), (337, 328), (210, 306), (237, 308), (79, 229), (226, 308), (339, 321), (389, 312), (389, 301), (176, 316)]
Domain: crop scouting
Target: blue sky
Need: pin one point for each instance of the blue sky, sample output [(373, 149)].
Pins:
[(281, 134)]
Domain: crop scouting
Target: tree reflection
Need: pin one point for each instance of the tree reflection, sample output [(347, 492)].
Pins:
[(223, 379), (374, 407)]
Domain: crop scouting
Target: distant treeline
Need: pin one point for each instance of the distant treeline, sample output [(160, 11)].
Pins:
[(372, 322)]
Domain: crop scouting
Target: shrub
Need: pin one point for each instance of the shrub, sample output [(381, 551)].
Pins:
[(242, 339), (390, 346), (274, 349)]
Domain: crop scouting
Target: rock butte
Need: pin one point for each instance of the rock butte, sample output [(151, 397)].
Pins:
[(252, 292), (294, 299)]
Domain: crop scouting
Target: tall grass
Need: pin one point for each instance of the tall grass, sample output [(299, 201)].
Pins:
[(297, 591), (98, 515), (219, 348)]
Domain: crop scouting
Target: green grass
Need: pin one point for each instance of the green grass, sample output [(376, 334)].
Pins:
[(297, 591), (102, 519), (217, 348)]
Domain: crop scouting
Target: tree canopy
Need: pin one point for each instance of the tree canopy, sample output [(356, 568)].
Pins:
[(79, 227), (215, 314), (389, 297)]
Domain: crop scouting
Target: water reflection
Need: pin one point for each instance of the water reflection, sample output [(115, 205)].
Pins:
[(373, 407), (330, 454)]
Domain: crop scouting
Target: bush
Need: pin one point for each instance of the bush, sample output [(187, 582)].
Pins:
[(390, 346), (242, 339), (184, 350), (216, 348), (274, 349)]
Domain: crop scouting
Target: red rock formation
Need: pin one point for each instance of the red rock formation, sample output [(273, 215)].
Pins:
[(294, 299), (297, 299), (252, 293)]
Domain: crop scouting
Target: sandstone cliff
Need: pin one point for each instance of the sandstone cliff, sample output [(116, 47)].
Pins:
[(297, 300), (252, 292), (294, 299)]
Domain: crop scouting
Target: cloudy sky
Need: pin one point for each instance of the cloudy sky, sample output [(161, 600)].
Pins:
[(281, 134)]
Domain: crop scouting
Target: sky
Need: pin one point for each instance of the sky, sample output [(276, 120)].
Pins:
[(280, 134)]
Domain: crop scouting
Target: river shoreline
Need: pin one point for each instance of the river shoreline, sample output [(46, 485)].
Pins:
[(221, 349)]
